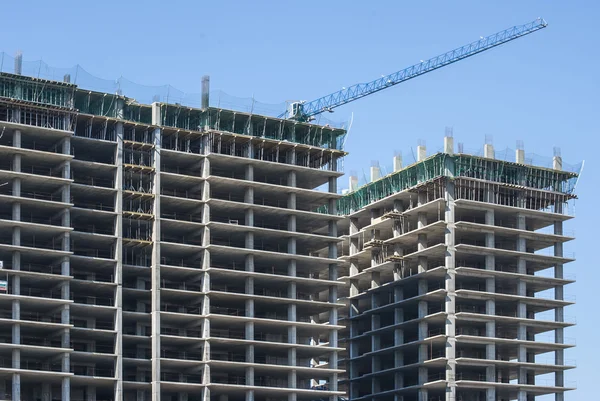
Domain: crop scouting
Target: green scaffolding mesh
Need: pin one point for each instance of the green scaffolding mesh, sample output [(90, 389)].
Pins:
[(514, 173), (429, 169), (464, 166), (35, 90)]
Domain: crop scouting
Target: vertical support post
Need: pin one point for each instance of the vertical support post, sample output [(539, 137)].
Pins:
[(522, 307), (155, 304), (66, 271), (333, 289), (490, 304), (450, 263), (559, 354), (205, 92), (119, 256), (206, 275)]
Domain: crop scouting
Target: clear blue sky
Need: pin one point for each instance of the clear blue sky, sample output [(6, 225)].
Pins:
[(542, 89)]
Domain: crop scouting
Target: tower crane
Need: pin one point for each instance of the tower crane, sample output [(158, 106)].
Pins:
[(306, 111)]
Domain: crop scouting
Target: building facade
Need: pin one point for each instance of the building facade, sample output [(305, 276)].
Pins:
[(161, 252), (456, 280)]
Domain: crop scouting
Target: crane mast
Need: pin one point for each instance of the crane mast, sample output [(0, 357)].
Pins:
[(305, 111)]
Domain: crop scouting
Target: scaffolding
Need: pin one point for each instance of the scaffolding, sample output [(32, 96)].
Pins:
[(36, 90), (418, 173), (514, 173), (29, 113), (521, 185)]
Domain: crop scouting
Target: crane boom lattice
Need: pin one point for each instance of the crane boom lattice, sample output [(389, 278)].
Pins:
[(305, 111)]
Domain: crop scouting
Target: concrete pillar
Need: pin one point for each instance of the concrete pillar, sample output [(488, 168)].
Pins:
[(333, 290), (398, 337), (353, 370), (421, 153), (16, 280), (521, 306), (557, 163), (397, 161), (559, 355), (490, 305), (206, 283), (18, 64), (156, 258), (449, 145), (422, 238), (292, 330), (450, 263), (488, 151), (520, 158), (353, 183), (66, 389), (375, 173), (249, 326), (119, 256), (66, 271)]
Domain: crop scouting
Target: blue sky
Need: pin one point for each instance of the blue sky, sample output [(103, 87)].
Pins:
[(542, 89)]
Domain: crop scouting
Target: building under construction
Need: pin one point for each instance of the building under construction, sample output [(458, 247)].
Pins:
[(161, 252), (455, 273)]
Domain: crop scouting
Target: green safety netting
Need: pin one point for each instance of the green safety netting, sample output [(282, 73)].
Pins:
[(441, 164)]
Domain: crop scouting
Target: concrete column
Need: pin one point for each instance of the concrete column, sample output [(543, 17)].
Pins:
[(397, 162), (205, 324), (520, 158), (490, 304), (292, 330), (398, 337), (119, 256), (488, 151), (375, 338), (16, 264), (333, 289), (354, 290), (65, 288), (354, 268), (16, 354), (66, 270), (422, 238), (521, 307), (449, 145), (16, 211), (559, 355), (249, 326), (352, 183), (421, 153), (375, 173), (450, 262), (423, 332), (155, 304), (397, 231)]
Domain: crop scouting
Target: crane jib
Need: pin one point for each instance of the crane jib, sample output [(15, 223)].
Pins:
[(305, 111)]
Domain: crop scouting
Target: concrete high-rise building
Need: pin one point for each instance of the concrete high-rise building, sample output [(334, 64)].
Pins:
[(456, 275), (162, 252)]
